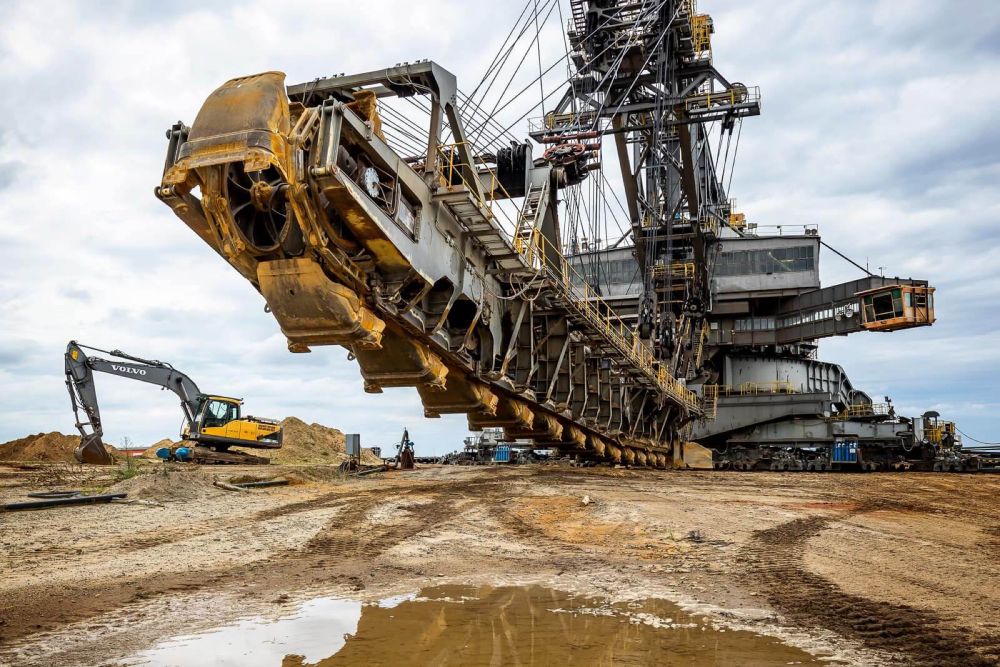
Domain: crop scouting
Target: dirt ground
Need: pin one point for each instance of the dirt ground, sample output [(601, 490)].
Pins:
[(861, 569)]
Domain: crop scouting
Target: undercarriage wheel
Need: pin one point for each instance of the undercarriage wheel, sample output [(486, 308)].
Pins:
[(937, 466), (258, 202)]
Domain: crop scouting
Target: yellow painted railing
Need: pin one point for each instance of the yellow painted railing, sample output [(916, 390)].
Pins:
[(676, 269), (736, 94), (700, 350), (751, 388), (701, 31), (543, 256), (450, 167), (863, 410), (710, 400)]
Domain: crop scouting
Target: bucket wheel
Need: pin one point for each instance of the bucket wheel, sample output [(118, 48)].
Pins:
[(258, 203)]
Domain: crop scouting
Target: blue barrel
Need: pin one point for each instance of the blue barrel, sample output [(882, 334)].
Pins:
[(163, 453), (182, 453), (502, 454), (845, 452)]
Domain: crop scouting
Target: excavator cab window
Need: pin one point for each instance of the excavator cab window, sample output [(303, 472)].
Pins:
[(220, 413)]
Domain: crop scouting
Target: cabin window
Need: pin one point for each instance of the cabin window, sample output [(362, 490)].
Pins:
[(768, 260), (220, 413), (885, 306)]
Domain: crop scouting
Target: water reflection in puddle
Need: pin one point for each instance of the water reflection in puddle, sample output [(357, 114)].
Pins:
[(463, 625)]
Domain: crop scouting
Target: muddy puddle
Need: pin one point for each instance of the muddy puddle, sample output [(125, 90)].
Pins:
[(464, 625)]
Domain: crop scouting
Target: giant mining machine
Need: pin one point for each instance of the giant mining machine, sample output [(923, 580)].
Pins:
[(449, 255)]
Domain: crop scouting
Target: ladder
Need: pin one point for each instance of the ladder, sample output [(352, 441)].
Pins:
[(579, 18), (529, 219)]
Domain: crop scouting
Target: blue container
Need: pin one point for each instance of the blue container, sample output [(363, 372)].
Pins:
[(502, 454), (182, 453), (163, 453), (845, 452)]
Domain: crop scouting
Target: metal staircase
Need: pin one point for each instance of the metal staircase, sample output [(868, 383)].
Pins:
[(532, 211)]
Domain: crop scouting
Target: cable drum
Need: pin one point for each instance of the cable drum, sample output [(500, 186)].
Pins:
[(512, 168)]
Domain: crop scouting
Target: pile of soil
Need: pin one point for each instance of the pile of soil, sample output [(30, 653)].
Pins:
[(313, 443), (302, 443), (53, 447), (150, 452), (166, 485)]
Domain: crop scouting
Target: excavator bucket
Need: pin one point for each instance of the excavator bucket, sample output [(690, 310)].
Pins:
[(92, 451)]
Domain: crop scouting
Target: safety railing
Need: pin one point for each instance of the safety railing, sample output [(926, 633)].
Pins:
[(701, 33), (710, 400), (752, 388), (675, 269), (935, 433), (450, 169), (784, 230), (700, 349), (709, 226), (864, 410), (552, 121), (541, 255), (735, 95)]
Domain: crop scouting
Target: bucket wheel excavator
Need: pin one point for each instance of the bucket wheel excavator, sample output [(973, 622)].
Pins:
[(213, 423)]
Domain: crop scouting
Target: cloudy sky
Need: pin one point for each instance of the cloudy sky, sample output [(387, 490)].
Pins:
[(879, 125)]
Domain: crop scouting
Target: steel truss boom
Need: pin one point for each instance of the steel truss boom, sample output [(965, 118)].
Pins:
[(405, 262)]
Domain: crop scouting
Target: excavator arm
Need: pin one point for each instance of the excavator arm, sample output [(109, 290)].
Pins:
[(80, 370)]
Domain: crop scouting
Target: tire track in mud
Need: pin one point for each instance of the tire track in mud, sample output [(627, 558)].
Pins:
[(351, 536), (777, 570)]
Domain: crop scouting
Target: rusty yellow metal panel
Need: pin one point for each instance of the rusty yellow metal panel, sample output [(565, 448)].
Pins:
[(245, 119), (572, 434), (401, 361), (510, 413), (696, 457), (313, 310), (461, 395)]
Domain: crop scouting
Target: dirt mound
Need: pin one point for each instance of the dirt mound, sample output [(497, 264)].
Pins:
[(313, 443), (308, 443), (150, 452), (167, 485), (53, 446)]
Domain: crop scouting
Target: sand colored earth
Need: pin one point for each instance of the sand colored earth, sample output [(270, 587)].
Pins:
[(881, 569), (303, 444), (48, 447), (313, 443)]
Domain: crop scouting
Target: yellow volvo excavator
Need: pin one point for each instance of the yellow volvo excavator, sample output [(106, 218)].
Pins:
[(213, 423)]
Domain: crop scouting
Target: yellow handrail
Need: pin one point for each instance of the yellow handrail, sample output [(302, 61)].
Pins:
[(538, 253), (753, 388), (541, 255)]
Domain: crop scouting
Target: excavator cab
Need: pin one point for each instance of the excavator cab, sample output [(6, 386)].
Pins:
[(219, 424)]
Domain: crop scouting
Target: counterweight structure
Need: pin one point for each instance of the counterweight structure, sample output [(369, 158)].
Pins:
[(400, 253)]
